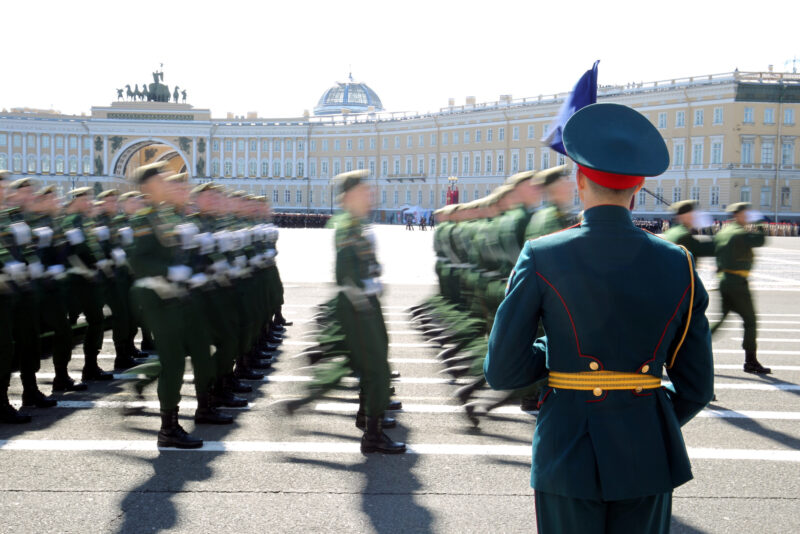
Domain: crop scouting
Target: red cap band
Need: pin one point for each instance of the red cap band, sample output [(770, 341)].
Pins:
[(611, 180)]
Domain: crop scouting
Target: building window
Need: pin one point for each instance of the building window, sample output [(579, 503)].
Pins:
[(253, 145), (301, 145), (252, 167), (265, 145), (747, 152), (529, 161), (4, 139), (337, 145), (361, 143), (396, 197), (662, 120), (445, 138), (500, 165), (312, 145), (788, 116), (477, 136), (695, 193), (501, 134), (545, 130), (276, 168), (769, 115), (465, 165), (421, 140), (215, 145), (766, 196), (409, 141), (240, 145), (300, 169), (715, 195), (45, 164), (717, 115), (337, 167), (240, 167), (73, 165), (287, 197), (677, 160), (531, 131), (265, 168), (476, 195), (443, 199), (310, 196), (444, 165), (767, 153), (360, 165), (372, 168), (326, 145), (748, 115), (384, 168), (87, 166), (312, 168), (420, 166), (288, 145), (455, 165), (676, 194), (787, 154), (477, 167), (466, 137), (680, 119), (59, 141), (31, 167), (514, 162), (562, 159), (383, 198), (385, 143), (408, 166), (545, 159), (515, 133), (660, 192), (697, 154), (348, 144), (73, 142), (419, 197), (397, 141), (215, 167), (488, 168), (716, 153), (323, 169), (698, 117), (432, 170), (348, 166), (45, 141), (228, 145), (744, 194), (786, 197), (59, 164), (397, 167), (642, 198), (299, 196), (489, 135), (228, 167), (455, 138)]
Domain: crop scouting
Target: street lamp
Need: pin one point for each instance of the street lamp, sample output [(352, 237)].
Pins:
[(452, 190)]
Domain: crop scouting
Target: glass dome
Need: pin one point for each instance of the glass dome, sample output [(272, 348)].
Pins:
[(350, 97)]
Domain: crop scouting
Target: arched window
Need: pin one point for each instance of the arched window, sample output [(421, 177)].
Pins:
[(253, 167), (215, 167), (265, 168), (276, 168), (73, 165), (17, 163), (45, 165), (300, 169), (31, 164), (87, 165), (240, 170), (228, 167), (60, 164), (289, 169)]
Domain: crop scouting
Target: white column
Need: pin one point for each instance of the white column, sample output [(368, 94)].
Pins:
[(194, 157), (270, 174), (258, 152), (233, 148), (38, 153), (247, 156), (294, 155), (106, 170)]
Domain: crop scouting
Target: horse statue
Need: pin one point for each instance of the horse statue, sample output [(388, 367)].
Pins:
[(119, 94), (130, 93), (183, 94), (137, 95), (145, 92), (175, 94)]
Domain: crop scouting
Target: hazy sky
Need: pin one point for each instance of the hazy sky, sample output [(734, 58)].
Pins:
[(277, 57)]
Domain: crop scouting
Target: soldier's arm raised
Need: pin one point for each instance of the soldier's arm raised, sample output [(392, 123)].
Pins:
[(511, 361)]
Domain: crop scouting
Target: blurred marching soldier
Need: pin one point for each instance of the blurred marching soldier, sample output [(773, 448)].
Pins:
[(130, 203), (115, 287), (602, 355), (54, 310), (87, 269), (25, 320), (13, 279), (734, 246), (687, 215), (554, 216)]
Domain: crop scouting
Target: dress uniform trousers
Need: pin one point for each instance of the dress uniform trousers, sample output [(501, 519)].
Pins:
[(7, 303), (218, 305), (54, 312), (116, 296), (736, 297), (556, 514), (368, 344), (27, 345), (87, 296)]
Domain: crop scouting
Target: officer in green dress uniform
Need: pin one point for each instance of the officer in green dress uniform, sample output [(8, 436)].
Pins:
[(13, 277), (87, 270), (686, 215), (26, 319), (734, 245), (607, 449)]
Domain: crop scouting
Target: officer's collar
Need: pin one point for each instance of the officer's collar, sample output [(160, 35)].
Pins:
[(607, 214)]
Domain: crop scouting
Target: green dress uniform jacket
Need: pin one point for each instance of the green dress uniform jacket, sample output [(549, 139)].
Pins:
[(592, 288), (681, 235), (546, 221), (734, 247)]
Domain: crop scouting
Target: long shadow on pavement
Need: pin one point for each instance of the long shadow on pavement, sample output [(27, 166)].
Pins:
[(677, 526)]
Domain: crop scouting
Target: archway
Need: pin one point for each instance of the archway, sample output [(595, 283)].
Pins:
[(149, 150)]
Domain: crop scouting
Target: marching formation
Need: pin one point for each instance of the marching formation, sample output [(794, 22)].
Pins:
[(192, 268)]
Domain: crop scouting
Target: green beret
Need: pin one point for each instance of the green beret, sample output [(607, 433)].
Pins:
[(738, 207), (550, 176), (684, 206), (5, 174), (520, 177), (79, 192), (201, 188), (108, 193), (145, 172), (130, 194), (46, 190), (348, 180), (618, 140), (178, 177), (20, 183)]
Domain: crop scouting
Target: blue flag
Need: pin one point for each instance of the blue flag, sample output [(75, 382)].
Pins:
[(583, 94)]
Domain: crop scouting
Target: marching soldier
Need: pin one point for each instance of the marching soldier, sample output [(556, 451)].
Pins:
[(554, 216), (87, 268), (604, 357), (734, 246), (681, 233)]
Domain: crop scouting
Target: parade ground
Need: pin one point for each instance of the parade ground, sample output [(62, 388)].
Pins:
[(84, 467)]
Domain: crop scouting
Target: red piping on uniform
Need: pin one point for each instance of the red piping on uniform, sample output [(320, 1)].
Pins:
[(642, 394), (664, 333), (539, 404), (577, 343)]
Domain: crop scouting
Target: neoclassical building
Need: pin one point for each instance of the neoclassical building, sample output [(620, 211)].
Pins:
[(732, 137)]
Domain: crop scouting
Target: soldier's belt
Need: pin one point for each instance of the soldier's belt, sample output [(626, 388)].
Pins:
[(743, 274), (602, 380)]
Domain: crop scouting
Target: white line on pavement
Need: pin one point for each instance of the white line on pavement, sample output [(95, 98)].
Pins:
[(75, 404), (771, 339), (773, 367), (760, 352), (764, 314), (353, 447), (739, 329)]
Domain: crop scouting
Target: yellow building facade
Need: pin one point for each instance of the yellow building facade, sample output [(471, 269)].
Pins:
[(732, 137)]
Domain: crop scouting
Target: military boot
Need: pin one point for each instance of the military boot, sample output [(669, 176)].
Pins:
[(752, 365), (173, 435), (375, 440), (222, 395), (64, 382), (207, 414), (31, 396), (9, 415)]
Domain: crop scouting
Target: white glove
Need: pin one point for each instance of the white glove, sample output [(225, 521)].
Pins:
[(35, 270), (205, 242), (197, 280), (179, 273), (126, 235), (240, 261), (224, 239), (187, 231), (21, 233), (55, 271), (16, 270), (74, 236), (44, 236), (118, 255), (101, 233), (247, 237), (220, 266)]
